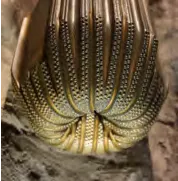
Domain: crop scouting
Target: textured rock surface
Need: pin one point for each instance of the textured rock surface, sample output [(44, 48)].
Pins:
[(25, 158), (163, 137)]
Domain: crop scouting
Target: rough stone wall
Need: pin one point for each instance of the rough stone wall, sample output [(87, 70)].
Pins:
[(163, 137), (25, 158)]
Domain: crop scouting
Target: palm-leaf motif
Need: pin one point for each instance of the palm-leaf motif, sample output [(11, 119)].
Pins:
[(95, 87)]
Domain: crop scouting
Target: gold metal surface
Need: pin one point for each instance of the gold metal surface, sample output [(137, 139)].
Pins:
[(86, 73)]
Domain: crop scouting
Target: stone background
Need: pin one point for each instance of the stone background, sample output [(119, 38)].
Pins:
[(25, 158)]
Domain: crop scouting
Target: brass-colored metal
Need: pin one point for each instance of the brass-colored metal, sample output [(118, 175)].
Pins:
[(86, 73)]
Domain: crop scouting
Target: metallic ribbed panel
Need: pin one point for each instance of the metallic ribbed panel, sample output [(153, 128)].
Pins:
[(94, 88)]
